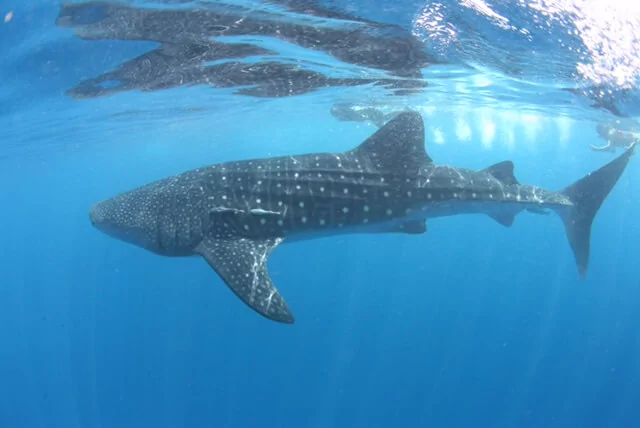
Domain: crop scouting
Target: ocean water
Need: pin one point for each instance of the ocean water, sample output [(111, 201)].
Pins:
[(471, 324)]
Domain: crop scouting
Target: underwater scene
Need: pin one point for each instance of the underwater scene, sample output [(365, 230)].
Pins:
[(319, 213)]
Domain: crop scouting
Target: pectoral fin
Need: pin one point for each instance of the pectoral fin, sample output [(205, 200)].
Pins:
[(242, 264)]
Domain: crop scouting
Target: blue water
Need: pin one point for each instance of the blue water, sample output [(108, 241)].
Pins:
[(470, 324)]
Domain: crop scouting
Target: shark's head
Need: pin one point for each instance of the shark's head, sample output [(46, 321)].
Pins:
[(150, 219), (123, 218), (132, 217)]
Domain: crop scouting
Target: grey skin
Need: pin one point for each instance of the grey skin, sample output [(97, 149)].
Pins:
[(234, 214), (615, 138)]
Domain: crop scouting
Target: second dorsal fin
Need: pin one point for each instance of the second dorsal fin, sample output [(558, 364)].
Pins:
[(503, 171)]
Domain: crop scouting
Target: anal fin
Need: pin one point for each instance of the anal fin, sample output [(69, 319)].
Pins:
[(505, 219), (242, 264), (536, 210)]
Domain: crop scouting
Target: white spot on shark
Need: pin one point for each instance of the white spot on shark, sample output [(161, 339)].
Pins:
[(260, 211)]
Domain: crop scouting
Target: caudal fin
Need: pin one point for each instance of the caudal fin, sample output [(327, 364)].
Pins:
[(587, 195)]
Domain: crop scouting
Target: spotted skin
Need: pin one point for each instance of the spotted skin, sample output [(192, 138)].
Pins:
[(234, 214)]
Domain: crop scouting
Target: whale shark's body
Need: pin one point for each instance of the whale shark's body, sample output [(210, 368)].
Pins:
[(234, 214)]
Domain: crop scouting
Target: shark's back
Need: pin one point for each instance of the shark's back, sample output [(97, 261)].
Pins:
[(283, 196)]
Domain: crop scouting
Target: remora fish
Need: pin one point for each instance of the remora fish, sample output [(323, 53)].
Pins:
[(234, 214)]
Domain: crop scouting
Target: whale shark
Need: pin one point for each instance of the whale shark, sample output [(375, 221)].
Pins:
[(235, 214)]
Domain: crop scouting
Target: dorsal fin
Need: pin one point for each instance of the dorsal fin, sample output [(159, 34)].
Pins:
[(503, 171), (398, 145)]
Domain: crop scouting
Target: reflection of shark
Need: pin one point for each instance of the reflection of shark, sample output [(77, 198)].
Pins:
[(235, 214), (607, 98), (191, 52), (318, 9), (615, 138), (173, 66), (354, 113), (395, 50)]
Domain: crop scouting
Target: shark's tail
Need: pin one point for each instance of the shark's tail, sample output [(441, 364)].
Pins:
[(587, 195)]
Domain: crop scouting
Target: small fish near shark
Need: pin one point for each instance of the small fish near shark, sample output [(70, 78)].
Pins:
[(235, 214)]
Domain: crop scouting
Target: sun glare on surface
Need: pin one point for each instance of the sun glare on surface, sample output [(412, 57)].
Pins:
[(438, 136)]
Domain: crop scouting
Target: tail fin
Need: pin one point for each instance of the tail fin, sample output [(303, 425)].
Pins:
[(587, 195)]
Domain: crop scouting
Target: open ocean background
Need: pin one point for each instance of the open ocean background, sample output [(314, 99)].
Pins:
[(470, 325)]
